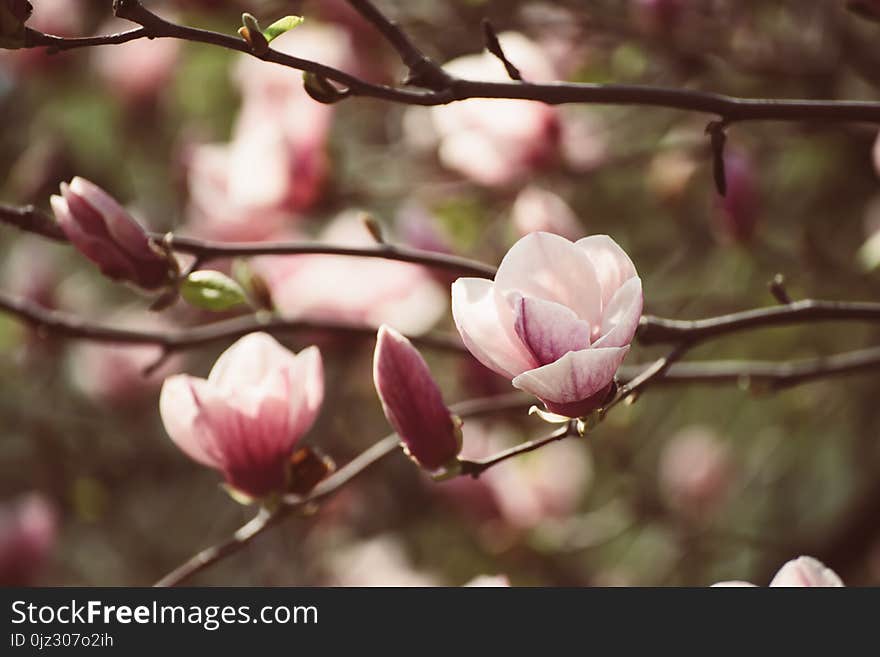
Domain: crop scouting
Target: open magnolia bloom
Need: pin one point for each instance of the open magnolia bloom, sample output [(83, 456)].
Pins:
[(800, 572), (246, 418), (558, 319)]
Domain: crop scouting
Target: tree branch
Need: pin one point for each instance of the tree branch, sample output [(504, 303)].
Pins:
[(443, 89)]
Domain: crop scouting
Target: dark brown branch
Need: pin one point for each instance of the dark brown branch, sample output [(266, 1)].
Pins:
[(33, 220), (173, 340), (657, 330), (476, 468), (730, 109)]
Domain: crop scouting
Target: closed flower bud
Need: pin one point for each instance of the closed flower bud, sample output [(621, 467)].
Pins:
[(247, 417), (413, 403), (557, 320), (103, 231)]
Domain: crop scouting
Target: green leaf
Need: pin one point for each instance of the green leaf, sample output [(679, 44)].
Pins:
[(281, 26), (212, 290)]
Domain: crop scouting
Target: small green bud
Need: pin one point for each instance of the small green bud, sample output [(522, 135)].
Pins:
[(281, 26), (212, 290)]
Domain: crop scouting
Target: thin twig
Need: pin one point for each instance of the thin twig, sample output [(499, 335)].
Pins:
[(476, 468)]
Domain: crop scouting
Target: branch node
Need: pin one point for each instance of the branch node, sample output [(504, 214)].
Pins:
[(493, 45), (777, 289), (717, 141)]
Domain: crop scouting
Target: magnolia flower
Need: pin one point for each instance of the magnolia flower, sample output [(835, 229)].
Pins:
[(537, 209), (558, 319), (800, 572), (138, 70), (103, 231), (246, 418), (695, 471), (489, 581), (413, 403), (496, 141), (27, 531), (369, 291)]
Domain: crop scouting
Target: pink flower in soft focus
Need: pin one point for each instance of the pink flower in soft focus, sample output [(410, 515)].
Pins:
[(658, 15), (31, 271), (138, 70), (537, 209), (800, 572), (494, 141), (246, 418), (275, 164), (484, 581), (876, 154), (379, 561), (543, 485), (112, 373), (413, 403), (369, 291), (558, 319), (696, 471), (27, 532), (739, 209), (104, 232), (418, 228)]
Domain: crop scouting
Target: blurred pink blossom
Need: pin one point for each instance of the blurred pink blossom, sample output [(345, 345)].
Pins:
[(491, 141), (557, 320), (247, 417), (275, 164), (484, 581), (137, 71), (115, 374), (696, 471), (800, 572), (738, 211), (537, 209), (379, 561), (369, 291), (546, 484), (28, 528)]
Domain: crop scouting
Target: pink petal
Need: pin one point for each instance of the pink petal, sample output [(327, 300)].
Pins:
[(806, 571), (178, 409), (613, 266), (733, 584), (548, 329), (476, 314), (121, 226), (249, 362), (549, 267), (620, 318), (306, 374), (96, 248), (575, 377)]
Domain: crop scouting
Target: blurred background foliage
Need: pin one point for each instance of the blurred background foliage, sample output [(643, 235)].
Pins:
[(687, 486)]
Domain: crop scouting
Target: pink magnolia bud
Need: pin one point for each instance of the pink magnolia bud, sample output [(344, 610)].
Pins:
[(413, 403), (800, 572), (246, 418), (27, 532), (557, 320), (104, 232), (739, 209)]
